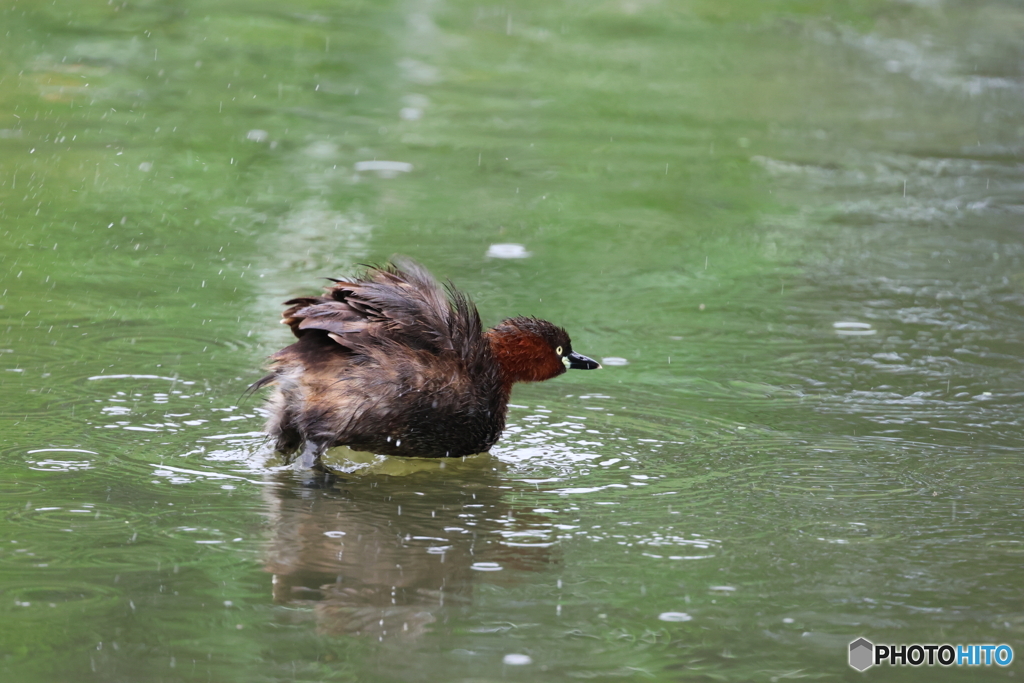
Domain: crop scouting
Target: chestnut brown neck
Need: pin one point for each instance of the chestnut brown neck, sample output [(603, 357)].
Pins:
[(522, 356)]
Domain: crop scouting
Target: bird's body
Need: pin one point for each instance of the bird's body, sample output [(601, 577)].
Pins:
[(393, 363)]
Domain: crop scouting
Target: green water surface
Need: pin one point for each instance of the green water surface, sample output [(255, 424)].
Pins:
[(792, 230)]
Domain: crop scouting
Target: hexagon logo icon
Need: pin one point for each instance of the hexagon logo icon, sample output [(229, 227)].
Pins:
[(862, 653)]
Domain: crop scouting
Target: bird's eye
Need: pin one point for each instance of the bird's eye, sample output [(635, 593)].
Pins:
[(559, 350)]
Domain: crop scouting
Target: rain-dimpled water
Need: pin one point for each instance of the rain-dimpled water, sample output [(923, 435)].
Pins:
[(790, 232)]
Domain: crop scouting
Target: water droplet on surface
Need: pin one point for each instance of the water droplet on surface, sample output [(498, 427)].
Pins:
[(853, 329), (486, 566), (507, 251), (384, 169), (674, 616), (321, 149)]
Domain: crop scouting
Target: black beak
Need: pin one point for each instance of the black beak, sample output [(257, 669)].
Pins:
[(578, 362)]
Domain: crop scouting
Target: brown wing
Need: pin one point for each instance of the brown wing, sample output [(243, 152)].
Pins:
[(399, 303)]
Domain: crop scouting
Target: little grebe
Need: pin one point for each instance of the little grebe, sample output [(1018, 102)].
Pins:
[(393, 363)]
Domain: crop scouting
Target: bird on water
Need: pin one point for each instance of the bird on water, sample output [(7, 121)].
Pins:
[(392, 362)]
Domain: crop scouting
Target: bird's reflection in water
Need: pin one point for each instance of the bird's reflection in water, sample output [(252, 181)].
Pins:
[(388, 555)]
